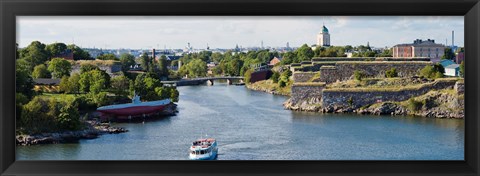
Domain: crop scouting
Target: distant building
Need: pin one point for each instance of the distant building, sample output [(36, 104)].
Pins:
[(419, 48), (46, 81), (275, 60), (452, 70), (211, 65), (323, 38), (445, 63), (460, 57), (109, 66), (172, 58)]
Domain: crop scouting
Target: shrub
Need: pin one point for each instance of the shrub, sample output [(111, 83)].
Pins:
[(275, 77), (282, 83), (49, 115), (247, 76), (391, 73), (414, 105), (358, 75), (350, 101), (432, 72)]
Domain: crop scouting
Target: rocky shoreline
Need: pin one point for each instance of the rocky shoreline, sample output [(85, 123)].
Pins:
[(390, 108), (437, 105), (263, 89), (92, 131)]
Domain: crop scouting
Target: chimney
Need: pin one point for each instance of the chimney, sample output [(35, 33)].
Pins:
[(153, 54), (453, 37)]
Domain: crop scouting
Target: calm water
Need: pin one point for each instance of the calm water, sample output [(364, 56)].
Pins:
[(250, 125)]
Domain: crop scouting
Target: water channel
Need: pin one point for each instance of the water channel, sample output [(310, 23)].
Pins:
[(252, 125)]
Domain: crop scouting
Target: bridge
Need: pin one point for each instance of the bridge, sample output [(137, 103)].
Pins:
[(208, 80)]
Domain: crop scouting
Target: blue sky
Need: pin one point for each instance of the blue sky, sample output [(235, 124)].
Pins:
[(227, 31)]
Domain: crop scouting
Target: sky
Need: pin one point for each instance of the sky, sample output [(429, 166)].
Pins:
[(174, 32)]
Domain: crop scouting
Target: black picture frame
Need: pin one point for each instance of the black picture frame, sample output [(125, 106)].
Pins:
[(470, 9)]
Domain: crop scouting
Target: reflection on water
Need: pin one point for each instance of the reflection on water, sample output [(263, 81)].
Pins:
[(251, 125)]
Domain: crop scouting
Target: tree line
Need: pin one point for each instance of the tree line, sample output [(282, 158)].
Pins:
[(91, 87)]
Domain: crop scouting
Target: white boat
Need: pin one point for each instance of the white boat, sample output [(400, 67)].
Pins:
[(203, 149)]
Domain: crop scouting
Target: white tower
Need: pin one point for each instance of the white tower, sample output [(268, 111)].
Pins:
[(323, 38)]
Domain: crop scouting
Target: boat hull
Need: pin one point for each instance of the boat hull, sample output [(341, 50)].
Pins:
[(213, 156)]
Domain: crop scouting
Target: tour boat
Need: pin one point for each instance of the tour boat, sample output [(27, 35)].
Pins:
[(136, 108), (204, 149)]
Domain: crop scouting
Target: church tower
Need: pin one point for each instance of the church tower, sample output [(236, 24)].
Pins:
[(323, 38)]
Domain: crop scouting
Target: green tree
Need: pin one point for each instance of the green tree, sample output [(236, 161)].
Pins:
[(462, 69), (20, 100), (88, 67), (304, 53), (386, 53), (162, 92), (55, 49), (284, 78), (275, 77), (348, 48), (84, 81), (24, 83), (448, 54), (34, 54), (145, 85), (78, 53), (196, 68), (40, 71), (65, 85), (74, 80), (107, 57), (217, 57), (234, 67), (49, 115), (24, 65), (432, 72), (162, 66), (69, 117), (120, 85), (59, 67), (127, 60), (369, 54), (174, 94), (99, 81), (288, 58), (145, 61), (247, 76), (263, 56), (35, 116)]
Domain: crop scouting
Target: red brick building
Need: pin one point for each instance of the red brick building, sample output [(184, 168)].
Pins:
[(275, 60), (419, 48)]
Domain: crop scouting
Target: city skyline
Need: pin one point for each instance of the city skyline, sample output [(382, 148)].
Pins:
[(226, 32)]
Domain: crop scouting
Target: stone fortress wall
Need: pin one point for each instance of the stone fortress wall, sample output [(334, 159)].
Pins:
[(357, 98), (309, 94)]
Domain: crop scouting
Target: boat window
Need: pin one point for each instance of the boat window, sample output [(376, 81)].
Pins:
[(202, 152)]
